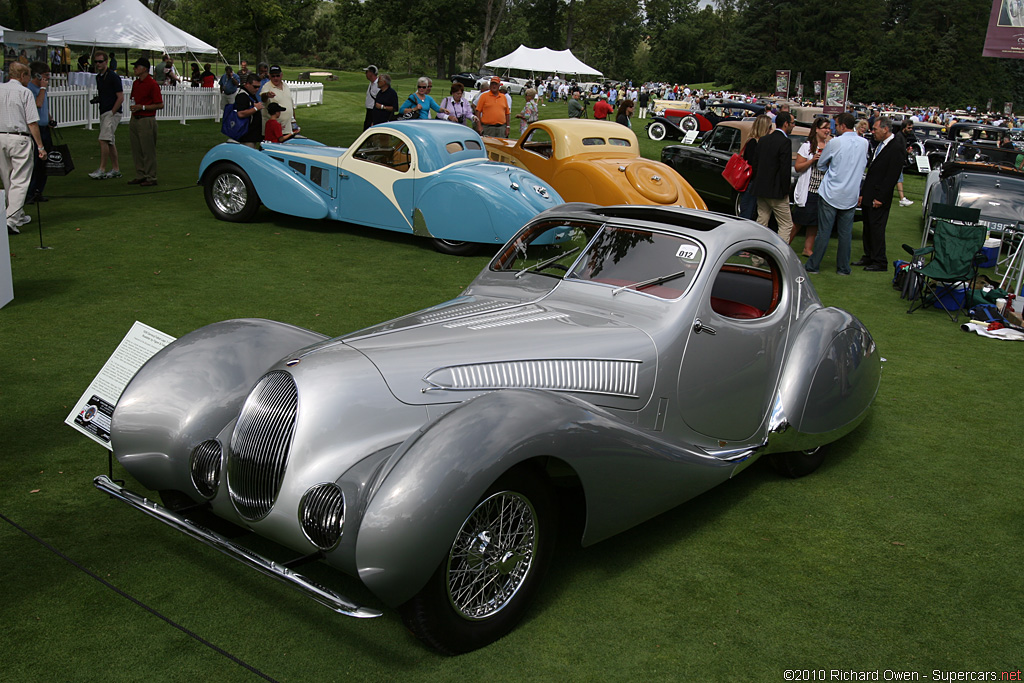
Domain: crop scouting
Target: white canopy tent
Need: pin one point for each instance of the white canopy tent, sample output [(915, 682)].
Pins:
[(126, 24), (541, 60)]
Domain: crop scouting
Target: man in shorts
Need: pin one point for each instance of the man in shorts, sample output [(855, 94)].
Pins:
[(111, 97)]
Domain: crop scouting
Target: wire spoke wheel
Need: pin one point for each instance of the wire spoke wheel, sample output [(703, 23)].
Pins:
[(492, 555), (229, 193)]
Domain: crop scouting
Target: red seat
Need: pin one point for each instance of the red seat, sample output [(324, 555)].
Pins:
[(735, 309)]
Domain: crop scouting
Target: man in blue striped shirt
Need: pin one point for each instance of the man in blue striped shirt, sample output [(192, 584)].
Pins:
[(843, 161)]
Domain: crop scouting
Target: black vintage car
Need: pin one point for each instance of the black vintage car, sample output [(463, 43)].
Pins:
[(930, 140), (702, 165), (979, 175), (673, 124), (469, 78)]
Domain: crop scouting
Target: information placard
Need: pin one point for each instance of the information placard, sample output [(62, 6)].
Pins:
[(91, 415), (924, 164), (690, 136)]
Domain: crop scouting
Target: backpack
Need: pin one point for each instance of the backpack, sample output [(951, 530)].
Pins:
[(233, 125)]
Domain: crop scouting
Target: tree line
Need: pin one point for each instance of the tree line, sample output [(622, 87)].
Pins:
[(902, 51)]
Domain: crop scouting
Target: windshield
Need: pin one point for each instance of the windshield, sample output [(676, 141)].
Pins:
[(622, 258)]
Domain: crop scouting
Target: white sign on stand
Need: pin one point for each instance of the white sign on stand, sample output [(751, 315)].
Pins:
[(91, 415), (924, 165), (6, 277), (690, 136)]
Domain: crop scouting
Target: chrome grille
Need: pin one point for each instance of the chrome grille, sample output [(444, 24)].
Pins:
[(260, 445), (322, 515), (205, 467), (594, 376), (528, 314)]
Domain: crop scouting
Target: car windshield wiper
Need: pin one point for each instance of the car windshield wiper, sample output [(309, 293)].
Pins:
[(548, 262), (650, 283)]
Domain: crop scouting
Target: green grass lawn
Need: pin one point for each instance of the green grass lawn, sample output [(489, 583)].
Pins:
[(904, 552)]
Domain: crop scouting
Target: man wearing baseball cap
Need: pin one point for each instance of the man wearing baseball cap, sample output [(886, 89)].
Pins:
[(279, 91), (493, 111), (371, 94), (142, 127)]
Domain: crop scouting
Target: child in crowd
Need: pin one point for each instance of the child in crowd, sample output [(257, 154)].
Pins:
[(273, 132)]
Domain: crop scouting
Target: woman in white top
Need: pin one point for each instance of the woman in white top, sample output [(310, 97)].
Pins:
[(808, 179)]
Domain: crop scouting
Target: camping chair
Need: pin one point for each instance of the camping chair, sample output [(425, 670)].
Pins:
[(951, 213), (950, 275)]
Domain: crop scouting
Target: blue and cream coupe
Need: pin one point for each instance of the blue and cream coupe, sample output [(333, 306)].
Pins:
[(427, 178)]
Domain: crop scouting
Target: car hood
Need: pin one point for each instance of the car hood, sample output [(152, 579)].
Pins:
[(1000, 197), (450, 354)]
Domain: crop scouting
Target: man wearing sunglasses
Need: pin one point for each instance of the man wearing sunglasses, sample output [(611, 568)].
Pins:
[(111, 97)]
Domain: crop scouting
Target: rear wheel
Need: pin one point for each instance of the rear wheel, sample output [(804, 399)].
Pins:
[(482, 588), (230, 194), (656, 131), (454, 247), (798, 464)]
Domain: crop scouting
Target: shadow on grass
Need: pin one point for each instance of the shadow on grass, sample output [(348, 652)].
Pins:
[(30, 291)]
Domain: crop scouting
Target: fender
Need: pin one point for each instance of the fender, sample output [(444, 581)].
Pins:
[(279, 187), (190, 390), (433, 481), (830, 378)]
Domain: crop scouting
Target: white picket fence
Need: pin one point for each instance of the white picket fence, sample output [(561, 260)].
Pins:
[(69, 105)]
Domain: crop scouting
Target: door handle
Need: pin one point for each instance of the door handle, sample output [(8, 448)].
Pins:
[(699, 327)]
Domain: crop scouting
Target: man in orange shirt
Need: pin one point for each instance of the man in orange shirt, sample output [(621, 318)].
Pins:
[(493, 111)]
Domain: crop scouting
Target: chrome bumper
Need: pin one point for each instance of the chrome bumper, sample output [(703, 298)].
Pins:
[(324, 596)]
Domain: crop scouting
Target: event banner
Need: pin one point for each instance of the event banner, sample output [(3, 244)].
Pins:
[(1005, 35), (837, 89), (91, 415), (23, 47), (782, 83), (1008, 109), (817, 88)]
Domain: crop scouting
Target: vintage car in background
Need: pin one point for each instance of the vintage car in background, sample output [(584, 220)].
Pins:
[(515, 86), (983, 176), (702, 165), (470, 78), (616, 361), (593, 161), (673, 124), (981, 133), (932, 141), (417, 177)]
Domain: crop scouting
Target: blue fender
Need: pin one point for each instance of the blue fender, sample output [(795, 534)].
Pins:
[(434, 480), (279, 187)]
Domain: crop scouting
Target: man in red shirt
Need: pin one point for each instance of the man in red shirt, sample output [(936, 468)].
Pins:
[(601, 108), (146, 100)]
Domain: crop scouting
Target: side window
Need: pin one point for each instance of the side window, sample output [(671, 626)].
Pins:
[(539, 142), (724, 139), (384, 149), (748, 286)]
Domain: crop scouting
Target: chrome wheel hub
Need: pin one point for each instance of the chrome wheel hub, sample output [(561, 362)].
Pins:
[(492, 555), (229, 193)]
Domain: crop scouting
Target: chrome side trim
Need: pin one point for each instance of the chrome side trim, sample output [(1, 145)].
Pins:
[(583, 375), (324, 596)]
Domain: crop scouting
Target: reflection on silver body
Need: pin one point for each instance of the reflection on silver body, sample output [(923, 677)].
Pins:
[(639, 359)]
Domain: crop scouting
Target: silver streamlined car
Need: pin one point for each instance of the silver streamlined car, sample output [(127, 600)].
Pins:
[(629, 354)]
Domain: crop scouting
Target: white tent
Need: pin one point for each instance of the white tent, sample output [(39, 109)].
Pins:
[(543, 60), (126, 24)]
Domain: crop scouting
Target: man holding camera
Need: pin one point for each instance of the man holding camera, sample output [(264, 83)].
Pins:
[(110, 99)]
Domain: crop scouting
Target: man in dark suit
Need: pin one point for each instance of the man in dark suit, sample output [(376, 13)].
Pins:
[(771, 184), (884, 170)]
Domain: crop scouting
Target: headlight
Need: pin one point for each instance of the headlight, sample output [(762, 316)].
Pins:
[(205, 467), (322, 515)]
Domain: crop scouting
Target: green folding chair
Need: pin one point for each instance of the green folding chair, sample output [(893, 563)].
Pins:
[(951, 273)]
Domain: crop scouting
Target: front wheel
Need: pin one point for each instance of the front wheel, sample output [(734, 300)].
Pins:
[(689, 123), (482, 589), (799, 464), (454, 247), (230, 194), (656, 131)]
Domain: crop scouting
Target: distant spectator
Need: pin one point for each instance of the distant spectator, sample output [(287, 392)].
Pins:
[(493, 111), (774, 173), (458, 108), (111, 96), (279, 91), (196, 77), (229, 84), (263, 71), (576, 108), (625, 112), (386, 102), (83, 63), (419, 104), (371, 93), (208, 78), (38, 84), (272, 130), (529, 112), (601, 108)]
